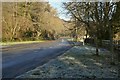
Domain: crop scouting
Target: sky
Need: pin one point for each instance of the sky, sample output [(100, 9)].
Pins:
[(59, 7)]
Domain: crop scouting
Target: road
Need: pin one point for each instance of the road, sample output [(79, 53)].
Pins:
[(18, 59)]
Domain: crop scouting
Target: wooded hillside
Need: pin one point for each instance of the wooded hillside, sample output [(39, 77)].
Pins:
[(29, 21)]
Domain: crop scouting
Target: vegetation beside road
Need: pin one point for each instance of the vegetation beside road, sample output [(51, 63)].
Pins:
[(22, 42), (30, 21)]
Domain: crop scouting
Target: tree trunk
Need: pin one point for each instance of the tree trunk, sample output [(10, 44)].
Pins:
[(96, 41), (111, 43), (86, 33), (76, 35)]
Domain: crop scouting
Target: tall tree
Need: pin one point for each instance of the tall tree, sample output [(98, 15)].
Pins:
[(100, 14)]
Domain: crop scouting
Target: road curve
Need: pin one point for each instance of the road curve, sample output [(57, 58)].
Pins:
[(19, 59)]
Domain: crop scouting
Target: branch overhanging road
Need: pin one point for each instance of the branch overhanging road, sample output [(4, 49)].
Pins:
[(19, 59)]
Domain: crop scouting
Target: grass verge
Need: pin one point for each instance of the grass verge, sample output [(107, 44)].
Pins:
[(78, 62), (22, 42)]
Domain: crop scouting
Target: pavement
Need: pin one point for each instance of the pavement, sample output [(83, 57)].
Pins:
[(18, 59)]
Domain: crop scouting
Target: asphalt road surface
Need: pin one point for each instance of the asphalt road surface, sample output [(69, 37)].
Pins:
[(18, 59)]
